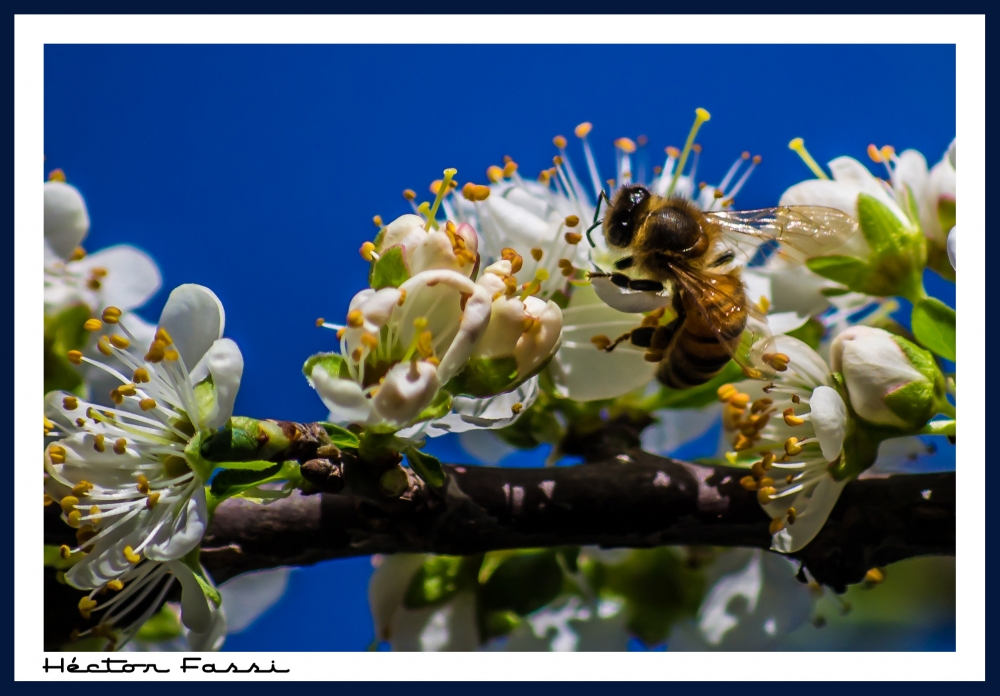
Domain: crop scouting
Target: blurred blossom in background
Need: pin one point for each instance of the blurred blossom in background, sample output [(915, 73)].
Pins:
[(256, 170)]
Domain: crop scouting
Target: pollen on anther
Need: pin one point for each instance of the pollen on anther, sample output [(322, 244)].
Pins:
[(625, 145), (163, 335), (791, 419), (409, 194), (141, 375), (582, 130), (92, 324), (119, 342), (57, 454), (131, 556), (119, 446), (147, 404), (367, 251), (536, 254), (559, 141), (573, 237)]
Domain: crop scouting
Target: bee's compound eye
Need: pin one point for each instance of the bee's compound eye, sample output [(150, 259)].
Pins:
[(620, 234), (625, 210)]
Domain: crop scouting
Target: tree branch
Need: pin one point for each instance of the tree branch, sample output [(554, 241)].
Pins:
[(634, 500)]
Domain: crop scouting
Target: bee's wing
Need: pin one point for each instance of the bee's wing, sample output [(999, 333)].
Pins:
[(799, 231), (756, 341)]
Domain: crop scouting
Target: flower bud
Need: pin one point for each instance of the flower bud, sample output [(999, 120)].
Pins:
[(890, 381), (407, 390), (448, 248)]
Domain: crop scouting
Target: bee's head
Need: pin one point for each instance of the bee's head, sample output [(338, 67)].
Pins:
[(625, 215)]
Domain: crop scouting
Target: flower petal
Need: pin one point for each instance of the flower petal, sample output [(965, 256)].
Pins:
[(344, 398), (224, 362), (175, 540), (812, 505), (132, 276), (197, 610), (828, 415), (66, 219), (408, 389), (194, 318), (475, 319), (212, 639), (951, 246), (246, 597), (625, 300), (388, 586)]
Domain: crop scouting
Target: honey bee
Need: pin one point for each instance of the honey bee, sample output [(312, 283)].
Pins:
[(691, 259)]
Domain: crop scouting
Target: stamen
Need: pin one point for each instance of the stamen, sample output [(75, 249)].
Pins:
[(798, 145), (409, 194), (559, 141), (726, 392), (74, 356), (516, 262), (99, 442), (141, 375), (777, 524), (573, 238), (792, 446), (791, 419), (536, 254), (119, 446), (571, 221), (119, 342), (82, 488), (749, 483), (701, 116), (355, 319), (57, 454), (147, 404), (163, 335), (367, 251), (86, 605), (92, 324), (131, 556), (70, 403), (111, 315), (69, 503)]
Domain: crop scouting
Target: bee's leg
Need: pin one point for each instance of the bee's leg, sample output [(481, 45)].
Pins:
[(597, 211), (641, 338), (662, 335)]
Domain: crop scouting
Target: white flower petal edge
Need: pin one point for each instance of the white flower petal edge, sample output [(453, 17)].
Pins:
[(951, 246), (195, 318), (246, 597), (66, 219), (129, 277)]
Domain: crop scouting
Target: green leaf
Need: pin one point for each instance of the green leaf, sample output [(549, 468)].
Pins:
[(696, 397), (161, 626), (846, 270), (484, 377), (389, 270), (810, 333), (332, 363), (523, 582), (426, 467), (438, 580), (237, 477), (933, 324), (341, 437)]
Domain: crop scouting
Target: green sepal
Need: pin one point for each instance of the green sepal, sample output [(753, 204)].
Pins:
[(192, 561), (244, 440), (243, 479), (340, 436), (933, 324), (389, 269), (162, 626), (898, 252), (206, 396), (332, 363), (438, 408), (426, 466), (439, 579), (485, 377), (913, 402), (946, 213), (201, 467), (846, 270)]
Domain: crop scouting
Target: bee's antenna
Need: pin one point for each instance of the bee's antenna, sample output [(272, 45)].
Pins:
[(602, 196)]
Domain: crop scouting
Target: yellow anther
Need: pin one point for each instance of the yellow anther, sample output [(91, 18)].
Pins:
[(78, 254), (49, 500), (367, 251), (791, 515), (74, 356), (356, 355), (152, 500), (111, 315), (796, 398), (888, 152), (320, 322), (57, 175), (494, 173), (377, 220), (777, 524), (119, 342), (99, 442), (355, 319), (571, 221), (601, 341), (435, 185), (573, 237), (760, 405), (369, 341), (70, 403), (625, 144), (141, 375), (131, 556), (536, 254), (791, 419), (768, 460), (481, 192), (142, 484), (874, 576), (758, 469), (73, 518), (543, 176), (752, 373), (425, 344), (86, 605), (517, 408), (104, 346), (742, 442), (92, 324), (508, 254), (559, 141), (779, 361), (98, 272), (726, 392), (147, 404), (798, 145), (749, 483), (409, 194), (739, 400), (792, 446), (65, 552), (672, 151), (57, 454), (155, 352), (171, 355), (757, 159), (765, 482), (69, 503), (509, 169), (764, 494), (163, 335), (583, 129), (115, 585), (119, 446), (82, 488)]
